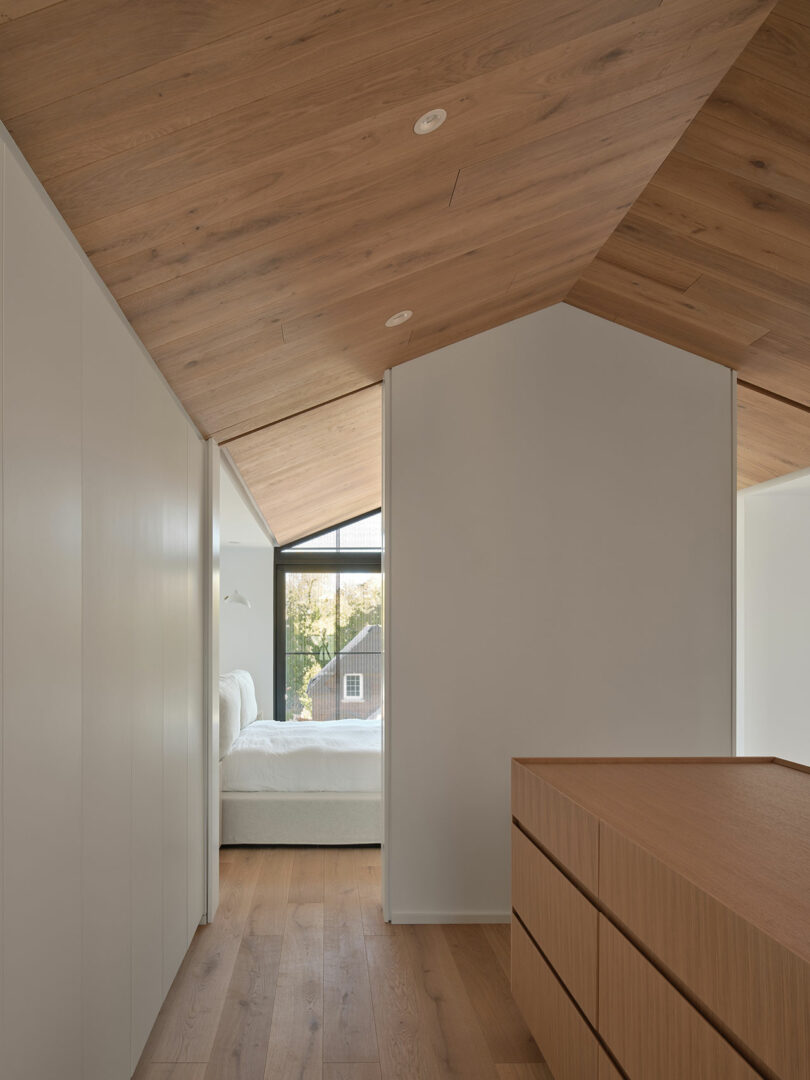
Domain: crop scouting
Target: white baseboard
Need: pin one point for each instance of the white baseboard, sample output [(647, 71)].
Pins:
[(438, 917)]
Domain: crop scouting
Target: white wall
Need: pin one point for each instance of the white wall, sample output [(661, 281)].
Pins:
[(102, 720), (247, 564), (774, 619), (559, 501)]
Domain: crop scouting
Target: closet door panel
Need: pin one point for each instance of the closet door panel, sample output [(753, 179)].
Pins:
[(108, 561), (175, 690), (42, 706), (195, 717), (147, 742)]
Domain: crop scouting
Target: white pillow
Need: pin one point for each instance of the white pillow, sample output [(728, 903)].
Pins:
[(250, 710), (230, 709)]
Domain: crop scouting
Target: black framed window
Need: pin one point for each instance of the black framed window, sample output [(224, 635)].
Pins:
[(328, 648)]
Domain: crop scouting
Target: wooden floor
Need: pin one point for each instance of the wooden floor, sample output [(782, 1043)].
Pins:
[(299, 978)]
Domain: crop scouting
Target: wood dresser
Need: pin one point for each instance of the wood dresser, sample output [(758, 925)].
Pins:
[(661, 916)]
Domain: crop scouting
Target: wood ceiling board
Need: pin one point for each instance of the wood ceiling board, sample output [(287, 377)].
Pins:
[(355, 155), (779, 53), (313, 470), (337, 350), (61, 50), (773, 438), (472, 71), (797, 10), (732, 202), (634, 293), (730, 300), (744, 199), (312, 267), (779, 166), (274, 60), (255, 170), (639, 258), (715, 250), (15, 9), (762, 107)]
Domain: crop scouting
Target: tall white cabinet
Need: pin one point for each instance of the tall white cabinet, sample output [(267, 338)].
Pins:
[(101, 807)]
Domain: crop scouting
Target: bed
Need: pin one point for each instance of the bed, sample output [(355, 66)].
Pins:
[(299, 782)]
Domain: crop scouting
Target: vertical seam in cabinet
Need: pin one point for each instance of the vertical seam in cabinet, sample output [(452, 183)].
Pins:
[(598, 920), (82, 626)]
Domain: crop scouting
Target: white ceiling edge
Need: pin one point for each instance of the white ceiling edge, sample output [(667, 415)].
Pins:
[(239, 521)]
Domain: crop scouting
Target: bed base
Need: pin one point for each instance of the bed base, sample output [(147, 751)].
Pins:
[(301, 817)]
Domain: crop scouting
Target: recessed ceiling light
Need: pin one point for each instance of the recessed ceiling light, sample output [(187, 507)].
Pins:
[(430, 121), (399, 318)]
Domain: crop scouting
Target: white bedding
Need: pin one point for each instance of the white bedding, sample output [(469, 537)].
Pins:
[(305, 755)]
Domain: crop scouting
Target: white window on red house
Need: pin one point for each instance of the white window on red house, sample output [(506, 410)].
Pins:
[(353, 687)]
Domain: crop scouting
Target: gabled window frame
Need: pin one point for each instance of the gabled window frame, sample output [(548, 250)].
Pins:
[(328, 562)]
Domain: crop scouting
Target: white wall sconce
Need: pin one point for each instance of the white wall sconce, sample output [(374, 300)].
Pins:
[(236, 597)]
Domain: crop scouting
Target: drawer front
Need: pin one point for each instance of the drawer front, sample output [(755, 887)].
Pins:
[(651, 1029), (570, 833), (607, 1070), (562, 921), (756, 987), (565, 1040)]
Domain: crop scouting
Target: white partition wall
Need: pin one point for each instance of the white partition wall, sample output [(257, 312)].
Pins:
[(101, 808), (559, 500), (773, 714), (247, 564)]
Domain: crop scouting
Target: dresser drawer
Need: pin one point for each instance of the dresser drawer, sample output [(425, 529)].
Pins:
[(607, 1070), (565, 1040), (559, 917), (563, 827), (650, 1027), (755, 986)]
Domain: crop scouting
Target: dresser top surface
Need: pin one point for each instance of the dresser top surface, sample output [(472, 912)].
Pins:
[(738, 828)]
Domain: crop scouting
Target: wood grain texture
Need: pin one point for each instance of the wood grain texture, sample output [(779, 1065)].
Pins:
[(565, 1040), (730, 209), (649, 1026), (187, 1023), (755, 860), (284, 985), (426, 1025), (323, 466), (723, 911), (246, 178), (487, 987), (568, 832), (349, 1030), (535, 1071), (607, 1070), (296, 1032), (773, 437), (558, 916), (757, 988)]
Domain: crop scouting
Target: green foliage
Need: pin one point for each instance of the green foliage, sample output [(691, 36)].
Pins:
[(320, 620)]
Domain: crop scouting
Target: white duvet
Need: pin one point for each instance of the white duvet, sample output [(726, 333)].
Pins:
[(305, 755)]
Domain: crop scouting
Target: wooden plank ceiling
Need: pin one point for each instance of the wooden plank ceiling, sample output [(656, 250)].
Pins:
[(245, 176), (715, 254)]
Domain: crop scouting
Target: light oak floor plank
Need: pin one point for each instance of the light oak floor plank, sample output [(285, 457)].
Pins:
[(187, 1023), (243, 1035), (487, 987), (363, 1070), (269, 909), (296, 1033), (349, 1031), (426, 1025), (300, 978)]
